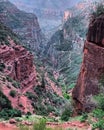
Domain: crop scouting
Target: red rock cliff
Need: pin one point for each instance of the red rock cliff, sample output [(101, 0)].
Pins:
[(92, 68), (20, 64)]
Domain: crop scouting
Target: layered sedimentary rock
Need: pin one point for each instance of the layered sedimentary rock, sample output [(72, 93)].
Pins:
[(92, 69), (19, 69), (19, 64)]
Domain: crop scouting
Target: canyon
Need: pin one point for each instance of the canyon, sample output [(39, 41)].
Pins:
[(39, 75)]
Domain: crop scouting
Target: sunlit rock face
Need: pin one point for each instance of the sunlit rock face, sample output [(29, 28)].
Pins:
[(92, 69)]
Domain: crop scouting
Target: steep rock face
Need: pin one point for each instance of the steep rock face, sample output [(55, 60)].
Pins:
[(24, 24), (19, 68), (92, 69), (20, 64), (17, 71)]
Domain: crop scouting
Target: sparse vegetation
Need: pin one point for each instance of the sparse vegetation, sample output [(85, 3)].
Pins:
[(99, 11), (45, 101), (66, 96), (12, 93), (4, 102), (2, 66), (66, 114), (14, 83), (98, 113), (6, 109), (9, 113), (41, 125), (84, 117), (5, 32)]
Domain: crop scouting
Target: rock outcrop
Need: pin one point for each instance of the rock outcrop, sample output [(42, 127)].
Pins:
[(20, 73), (24, 24), (19, 64), (17, 70), (92, 69)]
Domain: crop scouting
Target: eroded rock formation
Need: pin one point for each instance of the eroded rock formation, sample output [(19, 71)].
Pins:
[(19, 64), (92, 68), (19, 74)]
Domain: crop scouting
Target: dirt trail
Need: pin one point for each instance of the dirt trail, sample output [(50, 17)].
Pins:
[(4, 126), (27, 89), (72, 125), (55, 125)]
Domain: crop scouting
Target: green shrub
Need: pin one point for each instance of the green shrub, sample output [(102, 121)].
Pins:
[(41, 109), (12, 93), (2, 66), (50, 108), (72, 85), (40, 126), (9, 68), (66, 96), (9, 79), (98, 125), (16, 84), (9, 113), (23, 127), (99, 115), (20, 105), (41, 105), (31, 96), (84, 117), (4, 102), (101, 102), (67, 113)]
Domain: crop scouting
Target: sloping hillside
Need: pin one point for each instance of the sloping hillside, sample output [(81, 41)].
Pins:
[(21, 85)]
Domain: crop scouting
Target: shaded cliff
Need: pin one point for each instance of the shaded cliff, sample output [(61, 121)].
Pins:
[(92, 69)]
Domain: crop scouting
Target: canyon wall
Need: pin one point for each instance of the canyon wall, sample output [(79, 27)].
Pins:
[(92, 69), (24, 24)]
